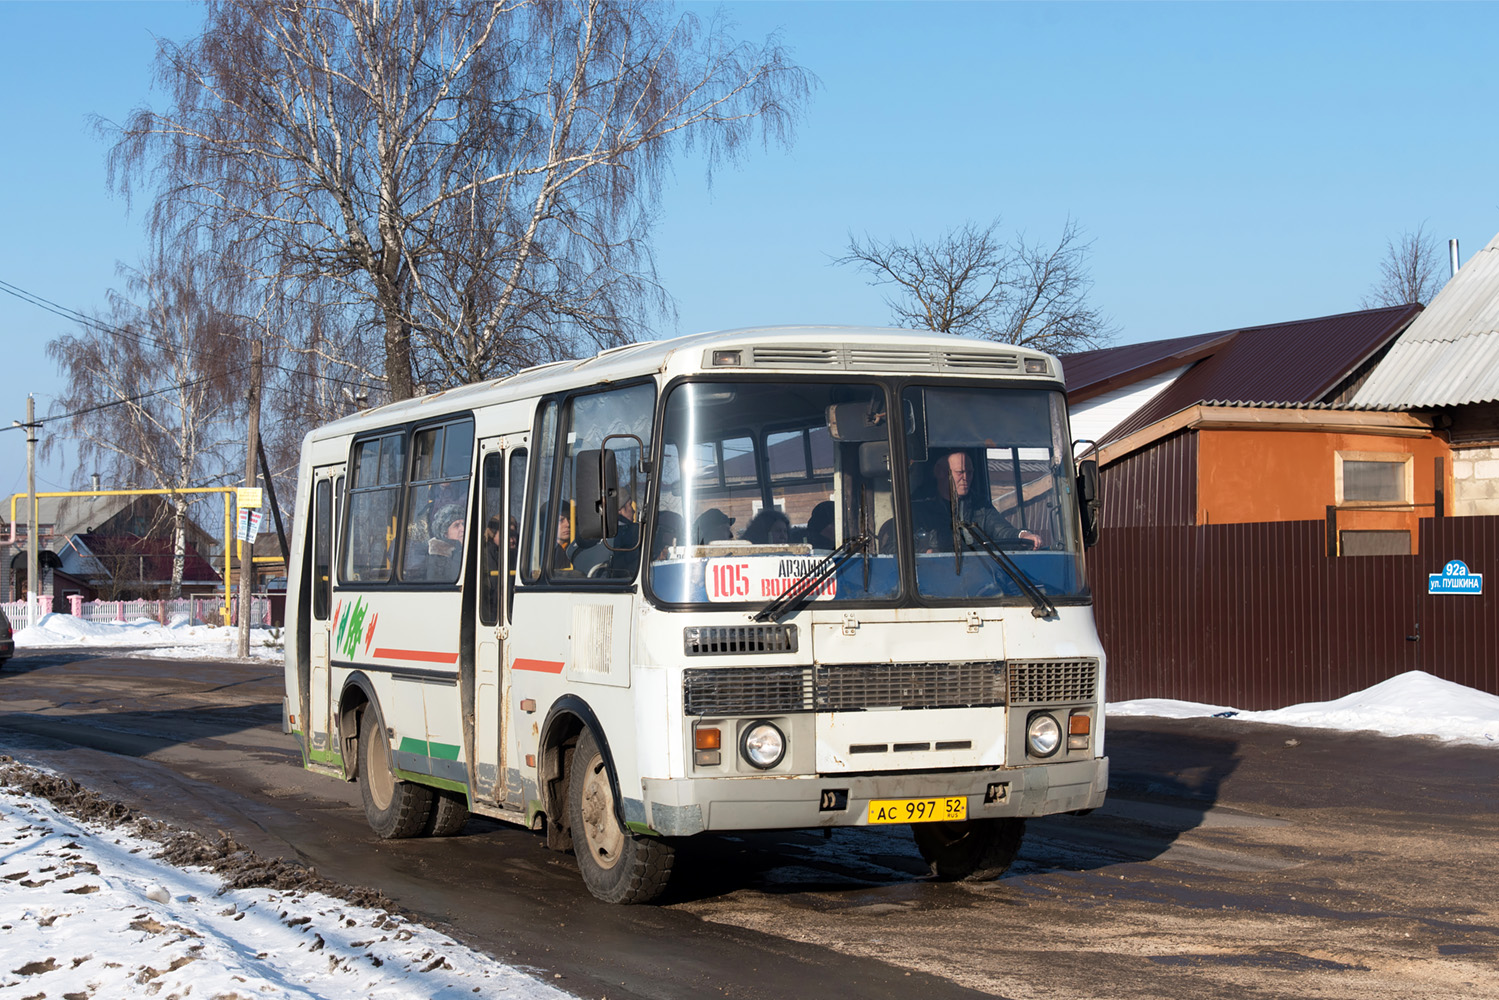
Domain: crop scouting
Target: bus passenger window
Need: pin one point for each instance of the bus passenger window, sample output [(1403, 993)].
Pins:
[(378, 466), (437, 503)]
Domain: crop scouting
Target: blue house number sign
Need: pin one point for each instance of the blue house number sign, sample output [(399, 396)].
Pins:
[(1455, 579)]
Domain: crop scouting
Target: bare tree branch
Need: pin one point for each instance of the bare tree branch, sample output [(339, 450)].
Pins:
[(970, 282), (474, 180), (1411, 271)]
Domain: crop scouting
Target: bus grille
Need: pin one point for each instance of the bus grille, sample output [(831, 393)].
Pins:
[(848, 688), (1041, 682), (842, 687), (747, 690)]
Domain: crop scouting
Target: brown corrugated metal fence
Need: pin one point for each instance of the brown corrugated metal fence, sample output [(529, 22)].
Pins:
[(1258, 616)]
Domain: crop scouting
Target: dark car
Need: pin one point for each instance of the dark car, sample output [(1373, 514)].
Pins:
[(7, 643)]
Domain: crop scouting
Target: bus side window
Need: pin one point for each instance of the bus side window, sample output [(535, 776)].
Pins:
[(618, 420), (437, 502), (378, 468), (322, 549), (493, 547), (541, 526), (513, 522)]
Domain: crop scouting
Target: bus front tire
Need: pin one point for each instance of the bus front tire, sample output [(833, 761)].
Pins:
[(971, 851), (618, 866), (394, 808)]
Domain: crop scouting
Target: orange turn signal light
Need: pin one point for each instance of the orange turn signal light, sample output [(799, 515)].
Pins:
[(707, 738), (1079, 724)]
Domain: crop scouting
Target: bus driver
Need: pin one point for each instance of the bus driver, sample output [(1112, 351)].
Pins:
[(952, 474)]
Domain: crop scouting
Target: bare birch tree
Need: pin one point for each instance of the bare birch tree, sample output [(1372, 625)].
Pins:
[(154, 387), (474, 180), (972, 282), (1410, 272)]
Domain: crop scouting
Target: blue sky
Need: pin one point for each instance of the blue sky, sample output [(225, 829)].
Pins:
[(1233, 164)]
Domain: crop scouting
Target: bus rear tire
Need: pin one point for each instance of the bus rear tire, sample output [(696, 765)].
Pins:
[(394, 808), (974, 850), (448, 816), (618, 866)]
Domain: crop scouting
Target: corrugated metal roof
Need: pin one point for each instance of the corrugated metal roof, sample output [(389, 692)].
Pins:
[(1450, 355), (1093, 373), (1297, 362)]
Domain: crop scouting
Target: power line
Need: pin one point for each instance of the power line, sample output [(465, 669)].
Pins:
[(73, 315), (122, 402)]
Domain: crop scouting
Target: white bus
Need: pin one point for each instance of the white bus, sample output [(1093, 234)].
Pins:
[(770, 579)]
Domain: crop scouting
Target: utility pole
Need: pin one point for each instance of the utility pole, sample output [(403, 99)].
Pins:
[(246, 551), (32, 569)]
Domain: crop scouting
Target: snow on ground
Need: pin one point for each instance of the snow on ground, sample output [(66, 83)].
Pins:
[(1414, 703), (86, 911), (147, 637)]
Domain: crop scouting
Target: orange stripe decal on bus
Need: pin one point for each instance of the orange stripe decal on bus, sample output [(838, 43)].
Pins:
[(541, 666), (423, 655)]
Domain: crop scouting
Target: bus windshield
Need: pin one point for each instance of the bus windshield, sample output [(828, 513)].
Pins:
[(761, 481), (992, 501)]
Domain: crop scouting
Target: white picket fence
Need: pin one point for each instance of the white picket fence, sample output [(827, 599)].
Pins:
[(205, 610)]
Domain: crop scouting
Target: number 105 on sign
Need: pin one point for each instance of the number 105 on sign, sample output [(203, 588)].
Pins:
[(941, 810)]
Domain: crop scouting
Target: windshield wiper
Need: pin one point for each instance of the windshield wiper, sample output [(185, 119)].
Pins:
[(805, 585), (1043, 608)]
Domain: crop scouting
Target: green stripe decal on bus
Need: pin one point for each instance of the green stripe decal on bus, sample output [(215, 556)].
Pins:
[(427, 779), (437, 751)]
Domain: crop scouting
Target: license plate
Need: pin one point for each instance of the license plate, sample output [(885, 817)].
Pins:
[(940, 810)]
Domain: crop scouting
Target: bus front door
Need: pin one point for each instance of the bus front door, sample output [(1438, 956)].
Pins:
[(319, 727), (502, 477)]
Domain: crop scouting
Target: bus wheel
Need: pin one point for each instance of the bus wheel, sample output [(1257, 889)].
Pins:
[(449, 813), (972, 850), (617, 866), (393, 807)]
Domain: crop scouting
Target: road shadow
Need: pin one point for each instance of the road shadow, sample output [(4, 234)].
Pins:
[(35, 658), (142, 733), (1164, 779)]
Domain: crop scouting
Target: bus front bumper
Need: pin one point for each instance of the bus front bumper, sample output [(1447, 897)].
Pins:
[(681, 807)]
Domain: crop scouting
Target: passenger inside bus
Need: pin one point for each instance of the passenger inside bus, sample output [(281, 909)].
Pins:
[(562, 557), (670, 534), (769, 527), (617, 558), (820, 528), (445, 547), (712, 525)]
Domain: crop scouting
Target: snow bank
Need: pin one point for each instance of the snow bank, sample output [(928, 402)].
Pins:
[(89, 912), (1414, 703)]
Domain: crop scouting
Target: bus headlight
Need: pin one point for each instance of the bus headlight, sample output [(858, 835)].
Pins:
[(1042, 735), (763, 745)]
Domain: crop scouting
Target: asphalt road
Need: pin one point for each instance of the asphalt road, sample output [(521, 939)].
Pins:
[(1233, 860)]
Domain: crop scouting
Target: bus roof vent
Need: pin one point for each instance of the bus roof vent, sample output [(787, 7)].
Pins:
[(899, 358), (986, 361), (797, 356)]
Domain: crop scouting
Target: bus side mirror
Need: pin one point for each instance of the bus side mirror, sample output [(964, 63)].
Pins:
[(1090, 500), (596, 489)]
